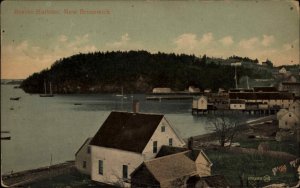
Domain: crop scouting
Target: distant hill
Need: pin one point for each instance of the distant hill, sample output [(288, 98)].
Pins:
[(11, 81), (135, 71)]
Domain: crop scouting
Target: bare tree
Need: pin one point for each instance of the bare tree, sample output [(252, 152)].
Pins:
[(224, 128)]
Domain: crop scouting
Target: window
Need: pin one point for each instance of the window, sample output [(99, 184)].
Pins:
[(83, 164), (290, 115), (285, 123), (125, 171), (170, 141), (163, 128), (100, 170), (89, 149), (240, 105), (155, 147)]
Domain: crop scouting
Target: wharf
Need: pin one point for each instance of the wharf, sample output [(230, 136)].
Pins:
[(270, 111), (170, 97), (29, 176)]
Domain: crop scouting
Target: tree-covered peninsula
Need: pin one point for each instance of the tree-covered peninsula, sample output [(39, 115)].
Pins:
[(135, 71)]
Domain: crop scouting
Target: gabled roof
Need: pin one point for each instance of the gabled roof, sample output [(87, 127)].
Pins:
[(86, 142), (281, 113), (292, 114), (216, 181), (127, 131), (171, 167), (192, 154)]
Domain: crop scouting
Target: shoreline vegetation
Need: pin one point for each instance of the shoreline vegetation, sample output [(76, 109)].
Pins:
[(140, 72)]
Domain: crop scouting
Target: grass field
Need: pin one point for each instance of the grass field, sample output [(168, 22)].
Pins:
[(233, 165), (291, 147), (72, 180)]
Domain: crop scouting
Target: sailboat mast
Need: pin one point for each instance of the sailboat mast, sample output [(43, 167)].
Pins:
[(247, 83), (50, 88), (45, 90)]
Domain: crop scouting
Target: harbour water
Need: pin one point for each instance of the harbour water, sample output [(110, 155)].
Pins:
[(47, 130)]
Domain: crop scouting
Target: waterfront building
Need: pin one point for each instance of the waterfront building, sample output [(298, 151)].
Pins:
[(162, 90), (200, 103), (295, 107), (193, 89), (237, 104), (292, 87), (289, 121), (274, 100)]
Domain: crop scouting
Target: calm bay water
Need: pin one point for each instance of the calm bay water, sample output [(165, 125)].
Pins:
[(41, 127)]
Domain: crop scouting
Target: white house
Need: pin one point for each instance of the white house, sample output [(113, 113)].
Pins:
[(295, 107), (207, 90), (124, 141), (282, 70), (200, 103), (83, 158), (289, 121), (193, 89), (281, 113)]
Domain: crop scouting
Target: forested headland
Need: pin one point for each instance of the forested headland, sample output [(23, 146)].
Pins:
[(136, 72)]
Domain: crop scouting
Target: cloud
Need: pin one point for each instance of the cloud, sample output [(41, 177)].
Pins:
[(125, 43), (267, 40), (226, 41), (124, 40), (249, 43), (187, 41), (19, 60), (62, 38), (206, 38), (191, 43), (260, 47)]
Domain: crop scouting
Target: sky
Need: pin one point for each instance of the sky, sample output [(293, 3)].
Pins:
[(34, 34)]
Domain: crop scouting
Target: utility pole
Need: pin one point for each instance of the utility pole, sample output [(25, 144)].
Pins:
[(235, 73)]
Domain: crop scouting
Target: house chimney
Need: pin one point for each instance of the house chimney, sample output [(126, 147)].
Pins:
[(190, 143), (135, 106)]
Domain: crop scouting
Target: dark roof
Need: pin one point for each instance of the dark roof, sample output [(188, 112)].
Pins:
[(127, 131), (216, 181), (237, 101), (260, 95), (265, 89), (290, 83), (169, 150)]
